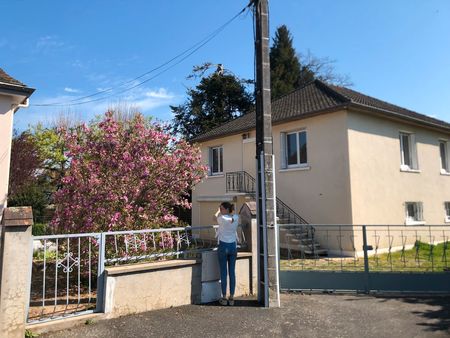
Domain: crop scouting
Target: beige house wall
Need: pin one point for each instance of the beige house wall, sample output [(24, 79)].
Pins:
[(320, 193), (208, 194), (379, 189), (6, 126)]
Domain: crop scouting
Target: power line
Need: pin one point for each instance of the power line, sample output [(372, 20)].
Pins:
[(188, 52)]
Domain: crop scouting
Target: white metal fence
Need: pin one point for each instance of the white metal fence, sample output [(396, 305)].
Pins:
[(68, 270)]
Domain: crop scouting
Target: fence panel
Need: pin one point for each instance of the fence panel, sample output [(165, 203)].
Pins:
[(365, 258), (64, 276)]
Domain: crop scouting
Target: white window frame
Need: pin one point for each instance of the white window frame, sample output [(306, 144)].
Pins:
[(284, 150), (418, 220), (445, 143), (447, 212), (412, 150), (220, 159)]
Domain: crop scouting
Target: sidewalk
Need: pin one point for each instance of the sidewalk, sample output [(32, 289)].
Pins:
[(316, 315)]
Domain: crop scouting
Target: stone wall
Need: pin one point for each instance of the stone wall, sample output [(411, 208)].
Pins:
[(150, 286)]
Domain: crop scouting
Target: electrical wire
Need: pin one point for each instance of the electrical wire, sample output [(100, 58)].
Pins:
[(183, 55)]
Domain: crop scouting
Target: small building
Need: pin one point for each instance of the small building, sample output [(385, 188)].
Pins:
[(341, 157), (13, 96)]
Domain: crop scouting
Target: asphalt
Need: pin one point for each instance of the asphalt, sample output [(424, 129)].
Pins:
[(301, 315)]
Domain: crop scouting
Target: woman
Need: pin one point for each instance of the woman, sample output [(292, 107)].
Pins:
[(227, 251)]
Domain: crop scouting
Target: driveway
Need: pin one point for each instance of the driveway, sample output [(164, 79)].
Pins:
[(301, 315)]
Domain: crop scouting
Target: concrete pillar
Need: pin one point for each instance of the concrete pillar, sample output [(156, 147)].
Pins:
[(15, 269)]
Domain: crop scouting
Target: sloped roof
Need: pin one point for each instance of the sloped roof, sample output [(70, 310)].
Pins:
[(10, 84), (5, 78), (314, 98)]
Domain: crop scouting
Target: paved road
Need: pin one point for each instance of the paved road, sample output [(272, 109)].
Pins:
[(316, 315)]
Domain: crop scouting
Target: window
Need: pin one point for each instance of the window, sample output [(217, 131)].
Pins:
[(408, 152), (294, 150), (414, 213), (447, 211), (215, 160), (443, 150)]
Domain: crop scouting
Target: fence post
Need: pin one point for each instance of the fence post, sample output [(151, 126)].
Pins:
[(366, 261), (15, 270), (101, 282)]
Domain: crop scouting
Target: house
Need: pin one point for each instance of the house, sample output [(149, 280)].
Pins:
[(13, 95), (341, 157)]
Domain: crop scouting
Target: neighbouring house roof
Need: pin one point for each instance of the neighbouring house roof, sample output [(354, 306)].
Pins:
[(316, 98), (10, 85)]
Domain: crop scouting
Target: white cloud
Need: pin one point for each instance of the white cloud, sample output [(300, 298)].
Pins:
[(161, 93), (48, 41), (78, 64), (71, 90), (149, 101), (144, 99)]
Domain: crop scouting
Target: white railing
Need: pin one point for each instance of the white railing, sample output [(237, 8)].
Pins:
[(64, 275), (68, 269), (153, 244)]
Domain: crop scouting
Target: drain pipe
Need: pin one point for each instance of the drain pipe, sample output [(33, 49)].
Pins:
[(24, 104)]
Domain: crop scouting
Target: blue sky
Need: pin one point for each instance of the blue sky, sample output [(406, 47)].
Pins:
[(397, 51)]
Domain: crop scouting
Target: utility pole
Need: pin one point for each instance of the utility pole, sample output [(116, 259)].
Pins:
[(268, 272)]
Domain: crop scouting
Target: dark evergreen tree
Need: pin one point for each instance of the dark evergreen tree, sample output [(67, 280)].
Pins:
[(218, 98), (286, 73), (289, 70)]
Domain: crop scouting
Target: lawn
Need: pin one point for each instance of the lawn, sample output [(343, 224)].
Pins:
[(422, 257)]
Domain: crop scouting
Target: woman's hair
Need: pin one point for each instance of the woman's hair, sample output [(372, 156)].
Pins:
[(228, 206)]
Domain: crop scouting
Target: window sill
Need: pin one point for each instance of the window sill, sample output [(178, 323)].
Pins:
[(415, 222), (216, 176), (445, 173), (307, 167), (447, 220), (408, 170)]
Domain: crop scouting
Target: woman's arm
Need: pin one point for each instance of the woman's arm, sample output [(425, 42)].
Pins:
[(216, 215)]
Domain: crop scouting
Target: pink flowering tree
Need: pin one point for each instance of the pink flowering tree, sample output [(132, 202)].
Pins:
[(124, 175)]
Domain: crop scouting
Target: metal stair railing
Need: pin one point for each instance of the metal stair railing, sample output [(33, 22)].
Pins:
[(243, 182), (240, 181)]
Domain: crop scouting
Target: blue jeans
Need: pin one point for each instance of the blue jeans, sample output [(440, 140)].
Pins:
[(227, 254)]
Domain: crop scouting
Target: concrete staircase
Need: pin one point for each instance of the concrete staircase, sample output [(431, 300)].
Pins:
[(296, 235)]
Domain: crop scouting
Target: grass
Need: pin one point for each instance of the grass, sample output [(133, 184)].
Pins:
[(30, 334), (422, 257), (49, 255)]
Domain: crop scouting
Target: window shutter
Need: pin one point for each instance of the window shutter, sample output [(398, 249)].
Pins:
[(414, 159), (283, 150), (209, 161), (420, 213), (447, 144)]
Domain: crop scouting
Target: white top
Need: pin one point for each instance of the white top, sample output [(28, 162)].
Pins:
[(227, 228)]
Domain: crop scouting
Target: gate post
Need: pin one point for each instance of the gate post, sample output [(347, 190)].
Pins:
[(15, 270), (101, 281), (366, 261)]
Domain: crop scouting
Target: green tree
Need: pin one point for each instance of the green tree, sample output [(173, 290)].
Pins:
[(27, 184), (289, 70), (51, 146), (218, 98), (285, 69)]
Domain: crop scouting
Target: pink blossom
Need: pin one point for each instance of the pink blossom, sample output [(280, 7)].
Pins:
[(124, 176)]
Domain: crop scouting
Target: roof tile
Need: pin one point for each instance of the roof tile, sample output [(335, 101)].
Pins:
[(5, 78), (312, 98)]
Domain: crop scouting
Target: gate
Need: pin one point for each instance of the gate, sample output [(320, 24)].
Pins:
[(366, 258), (65, 276)]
